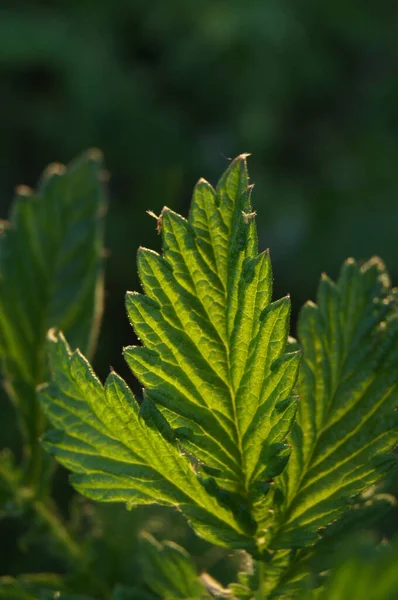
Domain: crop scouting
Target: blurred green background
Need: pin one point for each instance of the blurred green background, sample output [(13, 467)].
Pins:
[(170, 89)]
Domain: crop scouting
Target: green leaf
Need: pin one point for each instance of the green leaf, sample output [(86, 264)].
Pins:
[(346, 423), (214, 357), (298, 571), (373, 577), (118, 456), (218, 403), (50, 276), (168, 570)]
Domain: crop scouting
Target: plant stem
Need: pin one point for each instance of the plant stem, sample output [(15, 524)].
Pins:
[(261, 593)]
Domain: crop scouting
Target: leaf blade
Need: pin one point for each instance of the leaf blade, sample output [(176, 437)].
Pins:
[(346, 424)]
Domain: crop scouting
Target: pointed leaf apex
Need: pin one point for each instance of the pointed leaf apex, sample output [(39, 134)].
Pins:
[(203, 181), (52, 334), (95, 154), (309, 304), (54, 169), (23, 190), (350, 261)]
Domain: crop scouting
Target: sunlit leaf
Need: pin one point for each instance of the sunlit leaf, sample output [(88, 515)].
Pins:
[(218, 404)]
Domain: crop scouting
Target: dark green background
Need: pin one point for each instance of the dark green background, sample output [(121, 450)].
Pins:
[(169, 89)]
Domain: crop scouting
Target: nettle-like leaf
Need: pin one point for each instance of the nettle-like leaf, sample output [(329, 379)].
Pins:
[(214, 357), (50, 275), (119, 453), (347, 423), (218, 404)]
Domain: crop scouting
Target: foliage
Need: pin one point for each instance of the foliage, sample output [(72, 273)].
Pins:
[(51, 264), (50, 275), (278, 460), (309, 87)]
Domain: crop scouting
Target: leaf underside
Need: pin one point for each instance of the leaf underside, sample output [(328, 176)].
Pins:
[(346, 425), (347, 422), (218, 403)]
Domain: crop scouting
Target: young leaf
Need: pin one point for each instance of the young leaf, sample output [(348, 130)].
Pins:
[(50, 275), (218, 381)]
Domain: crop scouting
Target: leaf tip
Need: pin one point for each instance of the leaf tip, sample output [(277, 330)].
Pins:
[(95, 154), (54, 169), (23, 191), (243, 156), (310, 304), (53, 335)]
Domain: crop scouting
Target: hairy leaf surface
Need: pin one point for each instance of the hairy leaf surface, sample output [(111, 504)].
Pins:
[(218, 401), (214, 357), (119, 453), (347, 423)]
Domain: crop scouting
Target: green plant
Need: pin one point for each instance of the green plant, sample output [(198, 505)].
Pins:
[(261, 454), (51, 255)]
